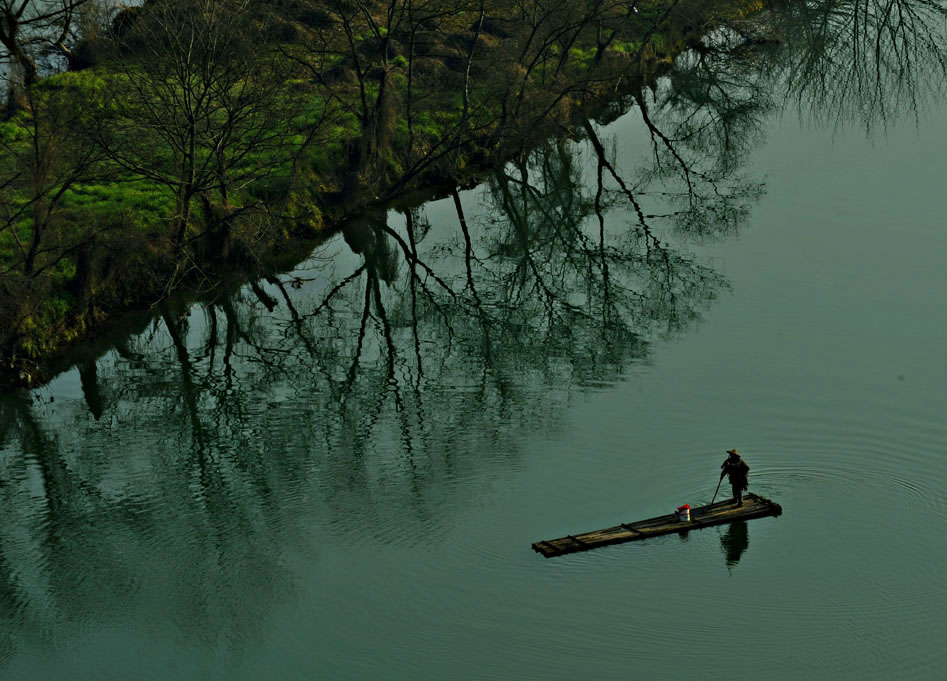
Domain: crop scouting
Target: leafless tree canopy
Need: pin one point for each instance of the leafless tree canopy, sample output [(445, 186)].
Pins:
[(31, 30)]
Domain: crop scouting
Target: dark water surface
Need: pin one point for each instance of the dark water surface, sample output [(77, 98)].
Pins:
[(337, 473)]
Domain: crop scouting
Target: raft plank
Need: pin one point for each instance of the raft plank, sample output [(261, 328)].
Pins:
[(754, 506)]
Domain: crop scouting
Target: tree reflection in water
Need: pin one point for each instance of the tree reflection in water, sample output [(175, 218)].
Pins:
[(867, 61), (340, 401), (402, 355)]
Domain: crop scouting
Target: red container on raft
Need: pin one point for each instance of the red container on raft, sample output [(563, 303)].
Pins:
[(684, 512)]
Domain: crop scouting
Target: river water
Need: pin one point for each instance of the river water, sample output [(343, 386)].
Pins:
[(337, 472)]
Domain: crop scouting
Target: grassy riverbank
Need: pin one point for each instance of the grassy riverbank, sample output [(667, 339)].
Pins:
[(204, 137)]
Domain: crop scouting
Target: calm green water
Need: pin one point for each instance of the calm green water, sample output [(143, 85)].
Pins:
[(337, 473)]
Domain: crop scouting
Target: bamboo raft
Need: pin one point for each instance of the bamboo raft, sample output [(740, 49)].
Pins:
[(722, 512)]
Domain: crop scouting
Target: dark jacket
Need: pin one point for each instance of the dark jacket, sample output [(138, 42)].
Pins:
[(738, 471)]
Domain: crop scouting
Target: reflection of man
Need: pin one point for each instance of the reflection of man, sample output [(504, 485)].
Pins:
[(734, 542), (739, 473)]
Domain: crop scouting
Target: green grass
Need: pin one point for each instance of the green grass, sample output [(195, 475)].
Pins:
[(134, 196), (626, 46)]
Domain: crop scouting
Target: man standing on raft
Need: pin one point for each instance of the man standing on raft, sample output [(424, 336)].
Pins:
[(739, 473)]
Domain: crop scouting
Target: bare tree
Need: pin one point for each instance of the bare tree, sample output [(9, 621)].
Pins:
[(197, 108), (30, 30), (45, 158)]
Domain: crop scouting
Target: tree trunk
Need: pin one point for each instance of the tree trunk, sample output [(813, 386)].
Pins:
[(182, 216), (36, 237)]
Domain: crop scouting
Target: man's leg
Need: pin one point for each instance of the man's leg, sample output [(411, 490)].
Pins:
[(737, 494)]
